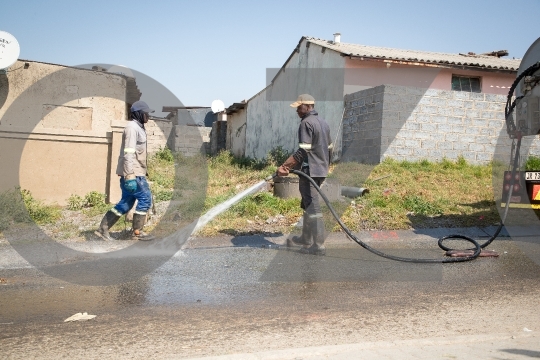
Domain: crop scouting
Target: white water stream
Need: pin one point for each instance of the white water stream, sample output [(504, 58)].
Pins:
[(218, 209)]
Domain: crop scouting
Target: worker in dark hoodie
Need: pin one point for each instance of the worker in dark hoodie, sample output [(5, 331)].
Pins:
[(132, 170)]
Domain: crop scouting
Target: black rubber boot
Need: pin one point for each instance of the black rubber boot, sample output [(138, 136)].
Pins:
[(137, 233), (107, 222), (305, 238), (318, 247)]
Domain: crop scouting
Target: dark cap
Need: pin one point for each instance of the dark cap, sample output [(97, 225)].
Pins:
[(141, 106)]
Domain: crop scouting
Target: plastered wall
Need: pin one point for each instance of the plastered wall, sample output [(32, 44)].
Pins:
[(271, 122), (55, 129)]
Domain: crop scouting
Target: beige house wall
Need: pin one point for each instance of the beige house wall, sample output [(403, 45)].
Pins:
[(56, 137), (53, 184)]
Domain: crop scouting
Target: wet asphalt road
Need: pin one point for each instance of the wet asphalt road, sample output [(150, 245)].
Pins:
[(219, 296)]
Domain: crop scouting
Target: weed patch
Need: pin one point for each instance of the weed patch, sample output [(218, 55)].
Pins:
[(420, 206), (532, 163), (12, 209), (92, 204), (40, 213)]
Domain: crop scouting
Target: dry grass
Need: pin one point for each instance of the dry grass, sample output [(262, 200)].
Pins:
[(402, 195), (425, 194), (260, 213)]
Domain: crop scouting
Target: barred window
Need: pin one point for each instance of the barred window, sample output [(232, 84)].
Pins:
[(465, 83)]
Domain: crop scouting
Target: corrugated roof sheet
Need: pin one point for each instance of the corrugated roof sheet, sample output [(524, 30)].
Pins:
[(357, 50), (235, 107)]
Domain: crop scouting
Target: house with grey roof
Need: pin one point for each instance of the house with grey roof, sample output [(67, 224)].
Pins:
[(381, 102)]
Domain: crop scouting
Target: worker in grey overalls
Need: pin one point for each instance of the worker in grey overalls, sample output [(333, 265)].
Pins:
[(312, 158)]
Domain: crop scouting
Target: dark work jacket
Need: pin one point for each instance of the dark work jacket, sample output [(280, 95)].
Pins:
[(314, 143)]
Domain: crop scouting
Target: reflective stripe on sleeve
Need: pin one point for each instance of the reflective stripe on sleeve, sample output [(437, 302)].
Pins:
[(129, 150), (305, 146)]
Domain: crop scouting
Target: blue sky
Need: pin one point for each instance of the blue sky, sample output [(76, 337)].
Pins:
[(209, 50)]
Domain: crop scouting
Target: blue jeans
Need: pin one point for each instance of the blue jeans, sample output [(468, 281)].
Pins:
[(142, 194)]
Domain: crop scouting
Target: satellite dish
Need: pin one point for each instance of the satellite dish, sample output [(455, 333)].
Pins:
[(122, 70), (217, 106), (9, 50)]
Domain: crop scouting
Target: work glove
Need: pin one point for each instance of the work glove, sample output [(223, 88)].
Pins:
[(130, 185), (289, 164)]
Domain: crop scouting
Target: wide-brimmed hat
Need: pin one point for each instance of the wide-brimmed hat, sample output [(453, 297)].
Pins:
[(303, 99)]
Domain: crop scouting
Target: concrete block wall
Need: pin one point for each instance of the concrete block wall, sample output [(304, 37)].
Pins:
[(159, 134), (408, 123), (218, 137), (362, 126), (191, 140)]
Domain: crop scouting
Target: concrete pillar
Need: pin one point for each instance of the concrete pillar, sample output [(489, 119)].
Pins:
[(114, 194)]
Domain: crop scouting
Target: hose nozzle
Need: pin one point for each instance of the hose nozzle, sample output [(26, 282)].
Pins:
[(270, 177)]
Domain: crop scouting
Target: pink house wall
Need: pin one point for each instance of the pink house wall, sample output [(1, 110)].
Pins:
[(363, 74)]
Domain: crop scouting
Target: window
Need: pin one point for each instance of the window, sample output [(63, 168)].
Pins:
[(465, 83)]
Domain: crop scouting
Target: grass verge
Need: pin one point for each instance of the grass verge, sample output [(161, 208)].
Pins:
[(425, 194), (402, 195)]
